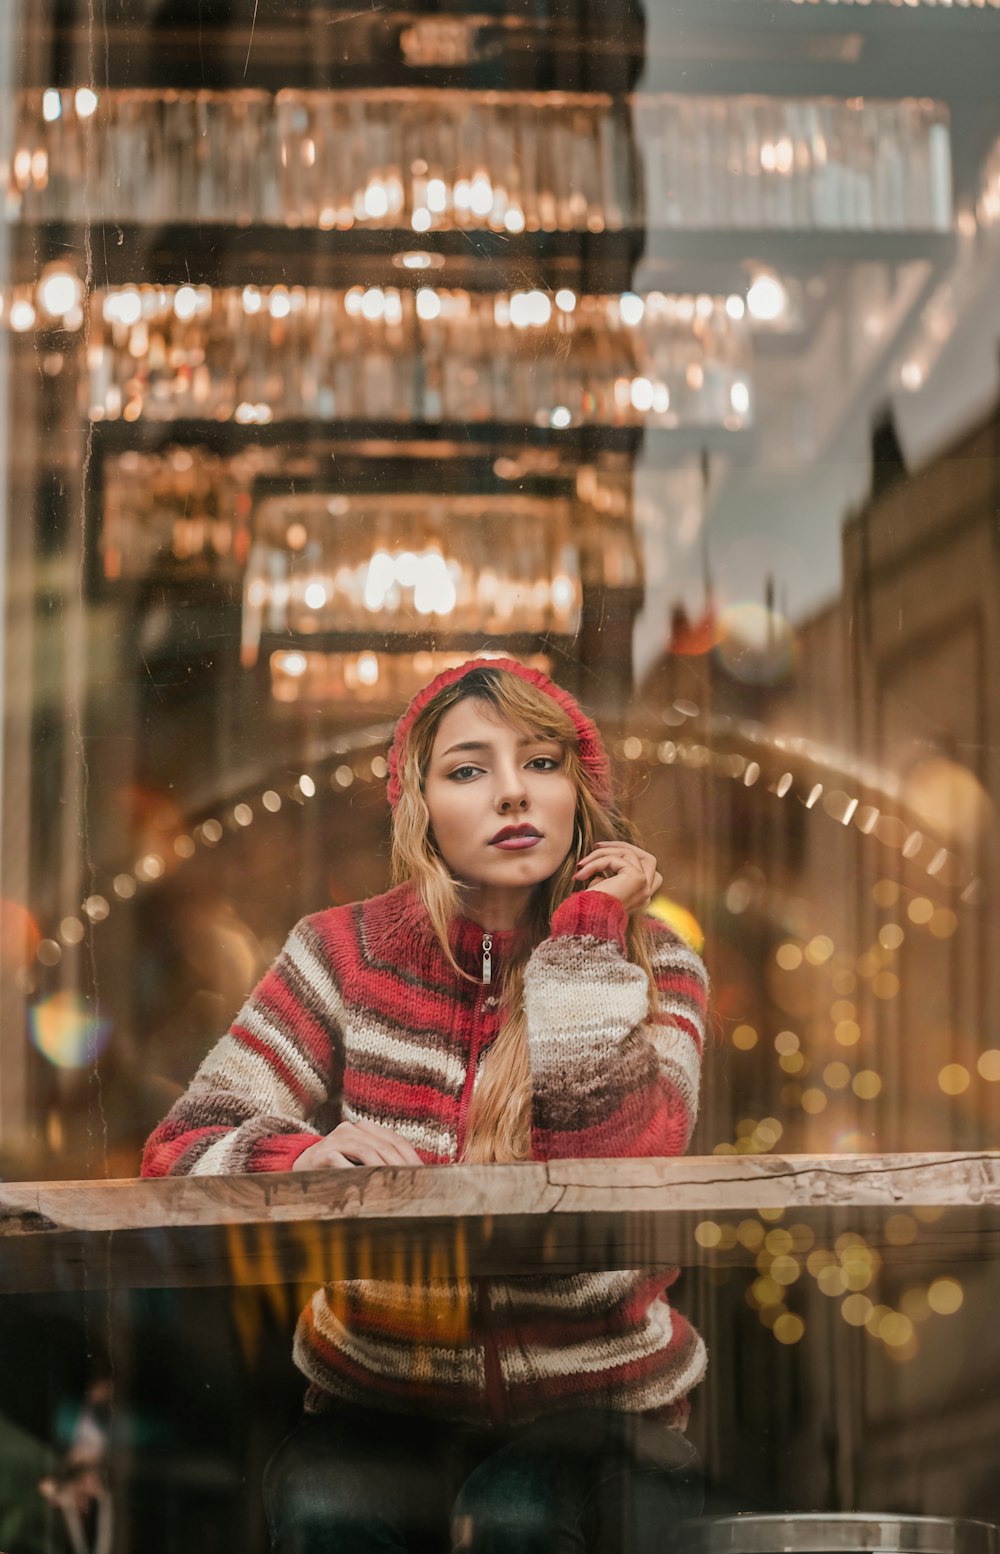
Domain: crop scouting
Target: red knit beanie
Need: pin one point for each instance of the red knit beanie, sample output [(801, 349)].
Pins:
[(590, 747)]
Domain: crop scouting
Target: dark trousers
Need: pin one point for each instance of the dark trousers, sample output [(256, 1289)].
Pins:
[(584, 1482)]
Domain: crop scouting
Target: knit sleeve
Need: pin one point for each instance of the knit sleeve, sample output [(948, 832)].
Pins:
[(248, 1106), (608, 1077)]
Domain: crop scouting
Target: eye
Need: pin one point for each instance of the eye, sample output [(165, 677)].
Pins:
[(457, 773), (552, 762)]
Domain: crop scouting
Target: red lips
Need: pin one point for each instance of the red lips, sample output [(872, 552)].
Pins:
[(509, 831)]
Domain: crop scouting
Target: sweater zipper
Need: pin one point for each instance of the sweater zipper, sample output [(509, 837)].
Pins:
[(492, 1374), (496, 1402), (470, 1075)]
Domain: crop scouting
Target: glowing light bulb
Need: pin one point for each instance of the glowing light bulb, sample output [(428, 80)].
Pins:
[(376, 201), (481, 195), (368, 671), (185, 302), (631, 308), (739, 397), (767, 299), (428, 303), (379, 578), (22, 316), (59, 292)]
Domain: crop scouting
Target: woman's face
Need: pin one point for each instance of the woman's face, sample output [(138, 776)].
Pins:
[(485, 777)]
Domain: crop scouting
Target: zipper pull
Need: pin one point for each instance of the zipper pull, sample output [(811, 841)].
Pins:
[(487, 959)]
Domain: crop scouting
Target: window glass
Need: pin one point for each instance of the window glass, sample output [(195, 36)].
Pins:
[(654, 347)]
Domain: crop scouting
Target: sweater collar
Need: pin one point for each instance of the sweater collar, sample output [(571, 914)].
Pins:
[(464, 935), (466, 939)]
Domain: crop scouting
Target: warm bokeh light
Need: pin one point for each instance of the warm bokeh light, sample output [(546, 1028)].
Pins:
[(789, 1328), (819, 949), (895, 1329), (19, 935), (988, 1065), (680, 919), (900, 1229), (949, 799), (67, 1031), (914, 1303), (788, 957), (945, 1296), (943, 923), (756, 646), (856, 1310), (954, 1079)]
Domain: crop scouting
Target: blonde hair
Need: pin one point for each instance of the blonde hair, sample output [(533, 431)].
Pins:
[(499, 1126)]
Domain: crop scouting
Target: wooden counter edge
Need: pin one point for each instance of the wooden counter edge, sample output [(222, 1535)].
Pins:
[(707, 1185)]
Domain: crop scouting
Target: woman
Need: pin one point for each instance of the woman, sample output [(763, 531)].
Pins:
[(506, 1000)]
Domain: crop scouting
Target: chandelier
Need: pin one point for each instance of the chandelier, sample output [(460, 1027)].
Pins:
[(432, 161), (422, 354), (339, 564)]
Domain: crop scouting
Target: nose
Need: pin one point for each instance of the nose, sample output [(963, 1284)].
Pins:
[(511, 790)]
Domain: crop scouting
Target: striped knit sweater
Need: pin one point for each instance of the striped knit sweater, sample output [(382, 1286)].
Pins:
[(362, 1008)]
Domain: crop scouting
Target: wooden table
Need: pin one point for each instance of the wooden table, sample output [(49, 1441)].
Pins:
[(446, 1221)]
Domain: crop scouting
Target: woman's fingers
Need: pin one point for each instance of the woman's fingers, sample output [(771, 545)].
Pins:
[(360, 1152), (621, 866), (401, 1150), (617, 856), (358, 1143)]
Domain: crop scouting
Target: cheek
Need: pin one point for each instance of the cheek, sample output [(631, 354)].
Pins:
[(445, 808), (563, 816)]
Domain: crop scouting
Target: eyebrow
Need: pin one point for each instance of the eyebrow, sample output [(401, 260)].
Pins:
[(478, 744)]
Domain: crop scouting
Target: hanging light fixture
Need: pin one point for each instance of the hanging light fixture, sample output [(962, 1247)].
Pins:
[(432, 161), (386, 566), (426, 355)]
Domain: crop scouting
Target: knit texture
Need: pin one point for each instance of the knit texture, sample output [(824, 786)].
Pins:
[(594, 761), (362, 1008)]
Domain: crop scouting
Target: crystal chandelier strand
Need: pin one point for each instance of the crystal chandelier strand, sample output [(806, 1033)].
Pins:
[(431, 161), (426, 356), (322, 564)]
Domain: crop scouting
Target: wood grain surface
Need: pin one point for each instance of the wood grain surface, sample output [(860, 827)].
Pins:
[(446, 1221)]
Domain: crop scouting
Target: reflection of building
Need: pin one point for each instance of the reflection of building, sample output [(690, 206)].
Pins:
[(855, 945)]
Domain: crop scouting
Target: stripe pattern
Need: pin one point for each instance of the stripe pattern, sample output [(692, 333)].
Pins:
[(362, 1010)]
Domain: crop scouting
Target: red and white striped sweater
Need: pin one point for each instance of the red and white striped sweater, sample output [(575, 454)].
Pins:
[(362, 1007)]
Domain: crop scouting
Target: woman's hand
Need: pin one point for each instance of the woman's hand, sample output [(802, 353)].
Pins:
[(357, 1143), (622, 870)]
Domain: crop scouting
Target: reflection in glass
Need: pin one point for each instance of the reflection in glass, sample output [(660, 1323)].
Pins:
[(428, 354), (433, 161)]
